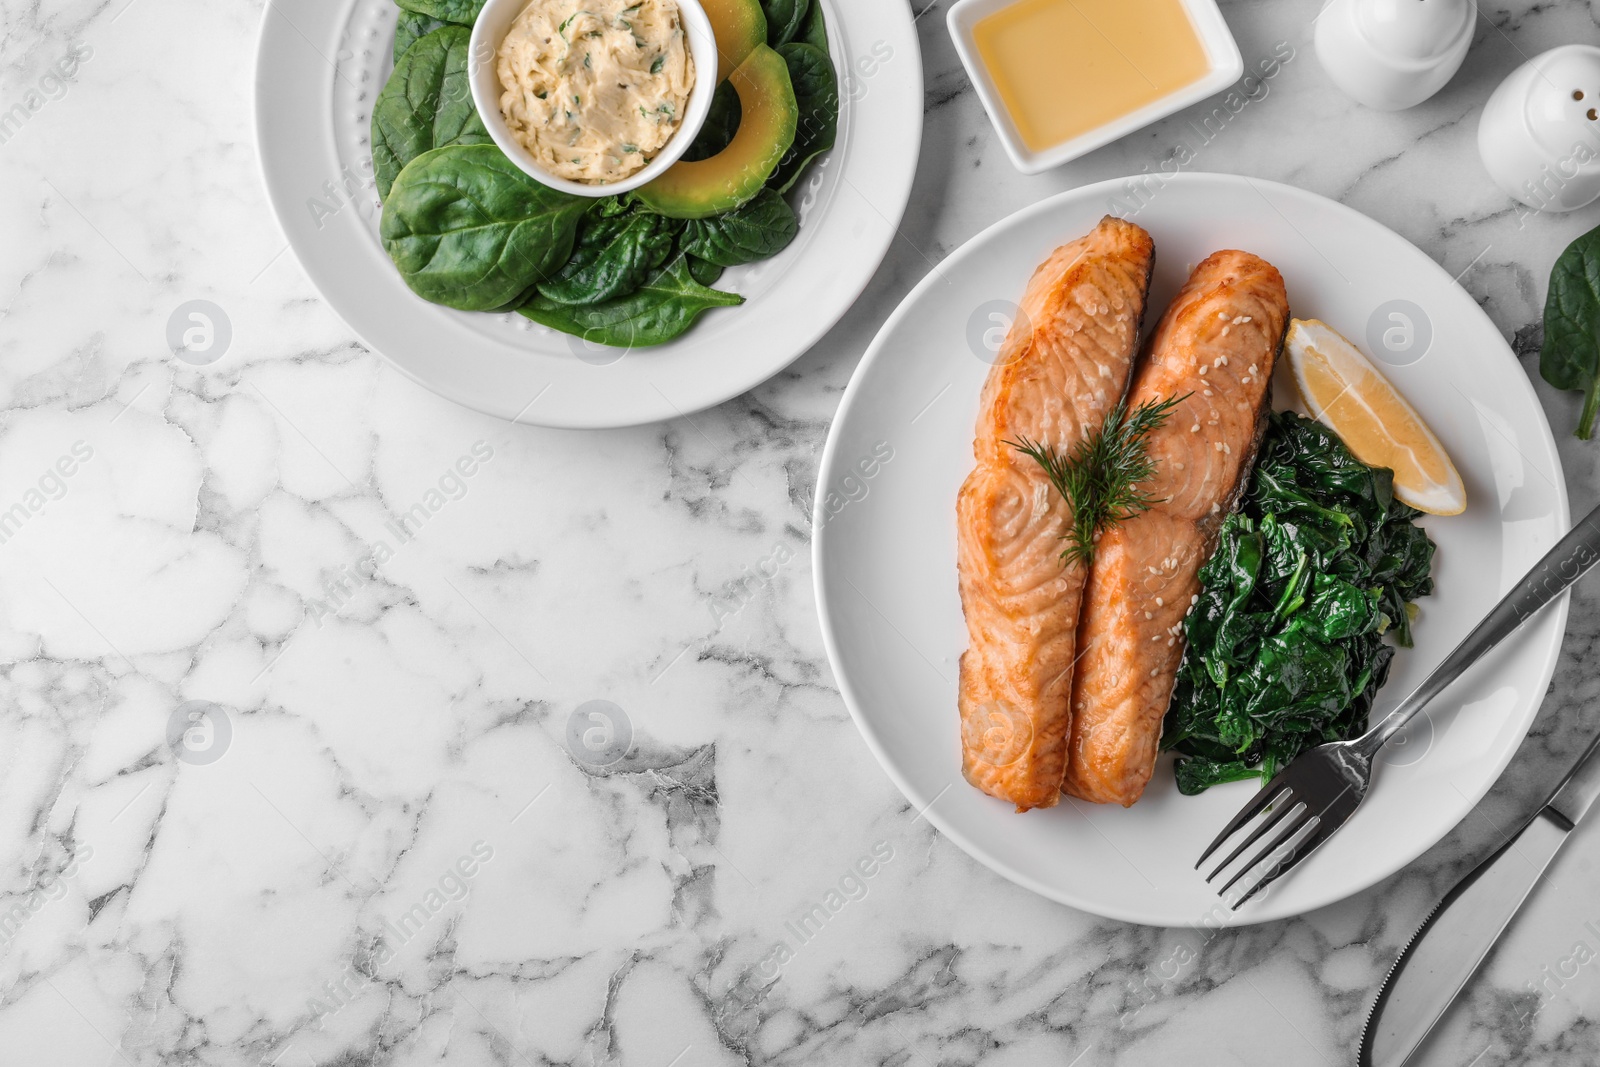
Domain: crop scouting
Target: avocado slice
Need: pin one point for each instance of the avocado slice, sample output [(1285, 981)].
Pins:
[(770, 117), (738, 25)]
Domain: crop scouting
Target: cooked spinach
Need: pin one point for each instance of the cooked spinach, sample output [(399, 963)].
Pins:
[(469, 230), (460, 12), (785, 19), (815, 31), (1571, 355), (426, 104), (816, 91), (660, 310), (615, 255), (757, 230), (722, 122), (1286, 645), (410, 29)]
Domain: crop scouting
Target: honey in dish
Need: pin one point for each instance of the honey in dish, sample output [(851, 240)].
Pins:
[(1064, 67)]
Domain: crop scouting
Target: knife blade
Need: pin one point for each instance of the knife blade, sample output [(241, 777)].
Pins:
[(1451, 945)]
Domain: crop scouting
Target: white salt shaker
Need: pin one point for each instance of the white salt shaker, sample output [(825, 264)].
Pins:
[(1540, 132), (1393, 54)]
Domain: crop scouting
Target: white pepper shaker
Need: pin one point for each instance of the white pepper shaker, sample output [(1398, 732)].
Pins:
[(1540, 132), (1393, 54)]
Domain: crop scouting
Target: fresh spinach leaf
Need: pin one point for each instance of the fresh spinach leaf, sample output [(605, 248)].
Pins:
[(1571, 355), (756, 230), (785, 19), (426, 104), (705, 272), (410, 29), (612, 206), (1285, 641), (460, 12), (510, 306), (816, 91), (662, 309), (722, 123), (615, 255), (815, 31), (469, 230)]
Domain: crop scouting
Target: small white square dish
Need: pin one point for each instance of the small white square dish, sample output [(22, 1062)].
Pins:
[(1060, 78)]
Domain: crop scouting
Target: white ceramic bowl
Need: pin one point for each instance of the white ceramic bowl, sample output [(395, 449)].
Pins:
[(494, 22), (1222, 52)]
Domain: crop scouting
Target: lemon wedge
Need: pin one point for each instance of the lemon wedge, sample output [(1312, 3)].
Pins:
[(1342, 389)]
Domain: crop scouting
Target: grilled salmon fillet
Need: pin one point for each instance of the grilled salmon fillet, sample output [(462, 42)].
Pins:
[(1217, 343), (1065, 363)]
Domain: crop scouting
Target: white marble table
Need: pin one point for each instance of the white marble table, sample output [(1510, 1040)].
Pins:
[(400, 857)]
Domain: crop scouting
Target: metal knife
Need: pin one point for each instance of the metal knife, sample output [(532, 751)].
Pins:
[(1452, 944)]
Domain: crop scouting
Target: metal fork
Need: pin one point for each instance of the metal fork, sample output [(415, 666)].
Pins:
[(1307, 801)]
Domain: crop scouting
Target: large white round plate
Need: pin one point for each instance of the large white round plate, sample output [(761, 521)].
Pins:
[(320, 66), (885, 550)]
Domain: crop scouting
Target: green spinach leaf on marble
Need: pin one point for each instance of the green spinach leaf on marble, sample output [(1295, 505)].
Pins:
[(1571, 355)]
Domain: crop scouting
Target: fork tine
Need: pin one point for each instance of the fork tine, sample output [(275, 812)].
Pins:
[(1323, 830), (1279, 811), (1303, 815), (1265, 795)]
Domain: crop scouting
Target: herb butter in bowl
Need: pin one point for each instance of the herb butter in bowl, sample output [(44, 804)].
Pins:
[(593, 97)]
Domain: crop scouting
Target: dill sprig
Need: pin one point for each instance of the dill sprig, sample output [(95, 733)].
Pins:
[(1103, 476)]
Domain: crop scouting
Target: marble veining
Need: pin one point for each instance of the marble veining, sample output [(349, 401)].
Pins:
[(563, 777)]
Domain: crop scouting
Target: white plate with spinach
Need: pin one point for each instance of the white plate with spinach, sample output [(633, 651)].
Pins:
[(885, 548), (583, 313)]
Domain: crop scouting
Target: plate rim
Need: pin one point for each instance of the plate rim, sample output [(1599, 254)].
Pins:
[(805, 333), (819, 565)]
